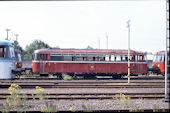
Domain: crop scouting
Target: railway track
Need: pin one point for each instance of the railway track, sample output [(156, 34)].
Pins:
[(92, 95), (108, 111), (75, 96), (95, 78), (79, 81), (82, 84)]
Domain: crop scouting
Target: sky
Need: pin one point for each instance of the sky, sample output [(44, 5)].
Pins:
[(78, 24)]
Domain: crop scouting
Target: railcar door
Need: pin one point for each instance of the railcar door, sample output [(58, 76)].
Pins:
[(43, 64), (132, 65), (140, 63)]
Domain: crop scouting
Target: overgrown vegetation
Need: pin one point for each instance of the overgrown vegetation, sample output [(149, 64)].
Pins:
[(87, 108), (66, 77), (40, 93), (49, 108), (123, 99), (19, 101), (15, 100)]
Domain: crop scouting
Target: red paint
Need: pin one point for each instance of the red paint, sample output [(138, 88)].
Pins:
[(62, 67), (48, 66), (19, 65), (159, 65)]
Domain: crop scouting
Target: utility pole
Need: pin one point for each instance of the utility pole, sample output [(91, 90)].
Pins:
[(16, 37), (167, 64), (107, 40), (7, 33), (128, 26)]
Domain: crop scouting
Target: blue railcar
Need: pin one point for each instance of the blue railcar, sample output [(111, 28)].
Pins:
[(8, 60)]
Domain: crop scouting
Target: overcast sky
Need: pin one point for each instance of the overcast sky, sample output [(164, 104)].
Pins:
[(77, 24)]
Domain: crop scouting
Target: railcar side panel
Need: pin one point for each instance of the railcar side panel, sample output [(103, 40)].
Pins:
[(35, 67), (159, 65), (63, 67)]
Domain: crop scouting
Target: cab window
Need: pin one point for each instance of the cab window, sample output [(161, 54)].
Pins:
[(4, 52)]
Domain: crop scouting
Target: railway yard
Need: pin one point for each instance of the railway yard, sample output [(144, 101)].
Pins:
[(42, 94)]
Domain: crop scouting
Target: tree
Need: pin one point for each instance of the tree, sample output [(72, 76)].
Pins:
[(17, 46), (89, 47), (29, 50)]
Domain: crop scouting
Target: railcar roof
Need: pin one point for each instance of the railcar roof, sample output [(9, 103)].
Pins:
[(87, 51), (5, 42), (162, 53)]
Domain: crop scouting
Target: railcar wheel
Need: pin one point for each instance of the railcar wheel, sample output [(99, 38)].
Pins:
[(74, 77), (59, 77), (43, 74), (116, 76), (89, 77)]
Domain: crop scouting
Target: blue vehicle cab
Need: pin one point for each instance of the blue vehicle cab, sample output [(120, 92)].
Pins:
[(7, 60)]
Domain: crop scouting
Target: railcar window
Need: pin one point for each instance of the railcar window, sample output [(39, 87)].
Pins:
[(92, 55), (139, 58), (6, 52), (164, 59), (155, 58), (89, 58), (56, 54), (12, 52), (18, 56), (67, 58), (83, 54), (35, 56), (125, 58), (131, 58), (66, 54), (2, 52), (102, 58), (136, 58), (84, 58), (107, 57), (78, 55), (56, 58), (79, 58), (160, 58), (43, 56), (112, 58), (118, 58), (144, 59)]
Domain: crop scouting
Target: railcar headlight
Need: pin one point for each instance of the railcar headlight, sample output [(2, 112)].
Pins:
[(18, 65)]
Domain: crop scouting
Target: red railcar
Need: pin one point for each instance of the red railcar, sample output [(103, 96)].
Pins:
[(158, 64), (88, 62)]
